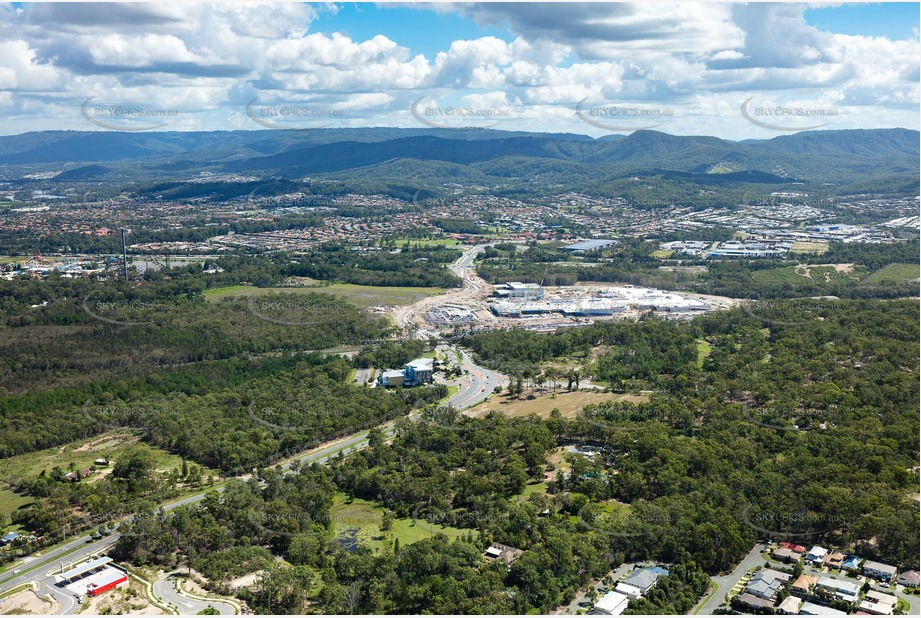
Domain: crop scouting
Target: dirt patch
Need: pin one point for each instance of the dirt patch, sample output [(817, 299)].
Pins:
[(244, 582), (568, 403), (89, 445), (128, 599), (27, 602), (803, 270)]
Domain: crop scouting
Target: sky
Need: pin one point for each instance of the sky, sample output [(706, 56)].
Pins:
[(736, 71)]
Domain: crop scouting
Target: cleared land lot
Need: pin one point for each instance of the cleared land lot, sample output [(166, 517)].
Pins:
[(358, 295), (897, 273), (569, 404)]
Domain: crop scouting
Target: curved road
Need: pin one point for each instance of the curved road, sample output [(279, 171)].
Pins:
[(165, 590)]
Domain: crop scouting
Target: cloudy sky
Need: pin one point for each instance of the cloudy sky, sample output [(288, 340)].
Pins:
[(733, 70)]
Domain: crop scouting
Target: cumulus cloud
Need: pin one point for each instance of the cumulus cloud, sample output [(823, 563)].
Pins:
[(702, 59)]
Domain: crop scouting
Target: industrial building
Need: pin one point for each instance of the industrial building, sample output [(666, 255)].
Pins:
[(516, 289), (606, 303), (414, 373), (589, 245)]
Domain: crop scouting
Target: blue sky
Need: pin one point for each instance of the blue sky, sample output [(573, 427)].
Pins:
[(737, 71)]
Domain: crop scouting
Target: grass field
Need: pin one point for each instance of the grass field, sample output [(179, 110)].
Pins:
[(661, 253), (359, 295), (897, 273), (803, 246), (359, 521), (818, 273), (703, 351), (569, 404)]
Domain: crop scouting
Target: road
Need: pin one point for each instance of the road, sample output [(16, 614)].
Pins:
[(165, 590), (754, 558), (616, 574), (476, 385), (726, 582), (411, 318)]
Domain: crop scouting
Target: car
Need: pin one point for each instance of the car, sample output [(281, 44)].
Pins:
[(884, 585), (16, 571)]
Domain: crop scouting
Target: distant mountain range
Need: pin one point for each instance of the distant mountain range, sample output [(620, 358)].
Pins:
[(499, 159)]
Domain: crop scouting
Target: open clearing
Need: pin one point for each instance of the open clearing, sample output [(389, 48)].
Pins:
[(359, 295), (897, 273), (26, 602), (569, 404), (357, 522), (77, 455), (803, 246)]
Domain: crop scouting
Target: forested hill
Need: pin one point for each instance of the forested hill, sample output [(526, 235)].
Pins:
[(830, 156)]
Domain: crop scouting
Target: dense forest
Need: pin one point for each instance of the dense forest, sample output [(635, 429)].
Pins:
[(809, 425)]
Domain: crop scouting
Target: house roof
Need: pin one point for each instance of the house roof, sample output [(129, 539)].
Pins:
[(812, 609), (879, 566), (611, 601), (803, 582), (790, 605), (909, 578), (642, 579), (753, 601), (818, 551)]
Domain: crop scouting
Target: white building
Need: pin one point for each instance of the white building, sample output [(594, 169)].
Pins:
[(816, 554), (612, 604), (843, 590)]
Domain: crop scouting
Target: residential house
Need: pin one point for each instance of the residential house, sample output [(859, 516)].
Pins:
[(879, 603), (612, 604), (753, 601), (834, 560), (789, 606), (803, 585), (851, 563), (811, 609), (766, 583), (793, 547), (637, 583), (9, 537), (844, 590), (909, 579), (878, 570), (816, 555), (505, 553), (786, 555)]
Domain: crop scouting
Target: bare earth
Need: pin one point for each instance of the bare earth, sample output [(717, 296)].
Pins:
[(27, 602), (125, 600), (569, 404)]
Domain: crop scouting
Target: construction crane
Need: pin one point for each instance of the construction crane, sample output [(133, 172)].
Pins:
[(540, 286)]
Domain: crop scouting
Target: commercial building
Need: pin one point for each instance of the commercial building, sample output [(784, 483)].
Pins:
[(418, 372), (109, 579), (84, 568), (414, 373), (516, 289), (589, 245), (612, 604)]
